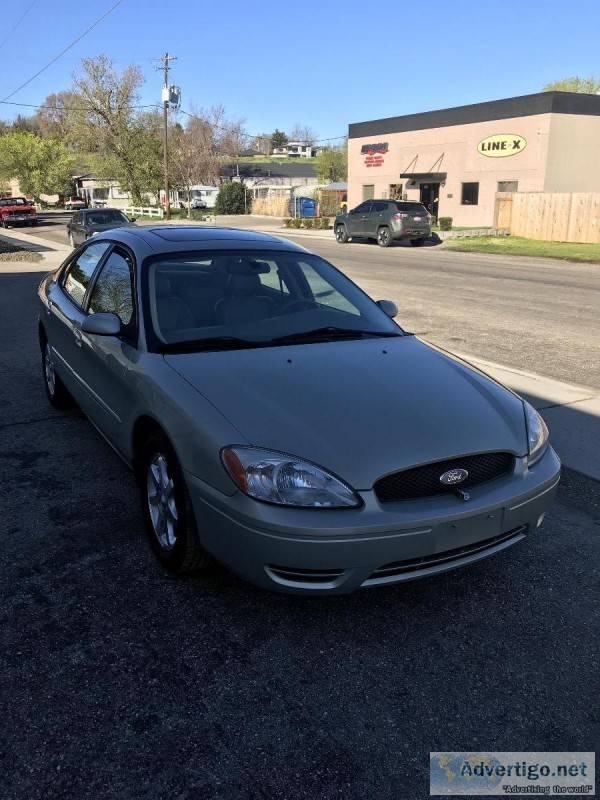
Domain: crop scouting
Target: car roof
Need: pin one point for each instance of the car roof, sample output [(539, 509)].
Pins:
[(172, 238)]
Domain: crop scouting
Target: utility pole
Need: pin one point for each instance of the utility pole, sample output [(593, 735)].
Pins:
[(166, 97)]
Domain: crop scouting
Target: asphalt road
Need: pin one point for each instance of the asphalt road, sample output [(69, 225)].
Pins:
[(540, 315), (120, 682)]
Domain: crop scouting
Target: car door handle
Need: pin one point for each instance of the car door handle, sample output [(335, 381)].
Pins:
[(78, 336)]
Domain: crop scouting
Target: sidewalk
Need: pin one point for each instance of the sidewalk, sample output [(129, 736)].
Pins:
[(571, 412)]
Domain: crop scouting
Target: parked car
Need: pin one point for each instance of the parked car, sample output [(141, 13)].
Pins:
[(279, 421), (197, 202), (71, 203), (385, 221), (91, 221), (17, 211)]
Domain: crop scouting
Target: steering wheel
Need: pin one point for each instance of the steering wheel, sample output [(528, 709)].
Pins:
[(298, 305)]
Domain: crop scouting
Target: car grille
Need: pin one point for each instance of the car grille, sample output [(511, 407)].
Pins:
[(448, 556), (424, 481), (301, 575)]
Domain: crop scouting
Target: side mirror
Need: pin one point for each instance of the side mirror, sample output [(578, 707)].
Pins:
[(132, 219), (388, 307), (102, 324)]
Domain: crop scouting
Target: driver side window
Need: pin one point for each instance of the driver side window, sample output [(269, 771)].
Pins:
[(113, 291)]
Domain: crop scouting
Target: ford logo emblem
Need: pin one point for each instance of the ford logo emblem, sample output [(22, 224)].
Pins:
[(454, 476)]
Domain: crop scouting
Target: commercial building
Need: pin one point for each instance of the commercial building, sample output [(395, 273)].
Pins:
[(457, 160)]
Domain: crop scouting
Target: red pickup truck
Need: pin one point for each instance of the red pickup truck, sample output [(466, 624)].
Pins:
[(17, 211)]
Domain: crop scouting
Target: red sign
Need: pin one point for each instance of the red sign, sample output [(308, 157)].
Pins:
[(374, 153)]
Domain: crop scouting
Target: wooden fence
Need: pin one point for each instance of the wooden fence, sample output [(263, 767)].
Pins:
[(551, 216)]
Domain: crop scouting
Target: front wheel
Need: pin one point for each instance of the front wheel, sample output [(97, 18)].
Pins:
[(384, 237), (341, 234), (417, 242), (168, 511)]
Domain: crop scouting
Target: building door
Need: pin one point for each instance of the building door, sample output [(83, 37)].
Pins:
[(430, 194), (368, 191)]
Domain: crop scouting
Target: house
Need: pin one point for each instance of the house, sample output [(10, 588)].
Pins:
[(268, 178), (295, 150)]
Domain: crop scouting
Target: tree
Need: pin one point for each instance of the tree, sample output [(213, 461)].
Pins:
[(54, 118), (331, 164), (278, 139), (589, 85), (302, 133), (42, 166), (232, 199), (262, 143), (125, 141)]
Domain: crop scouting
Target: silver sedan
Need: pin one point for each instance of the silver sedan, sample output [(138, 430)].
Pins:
[(279, 421)]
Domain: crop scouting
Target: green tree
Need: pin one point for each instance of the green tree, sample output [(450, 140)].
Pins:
[(125, 141), (232, 199), (331, 164), (42, 166), (278, 139), (589, 85)]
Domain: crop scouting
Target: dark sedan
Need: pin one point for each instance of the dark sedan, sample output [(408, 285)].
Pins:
[(90, 221)]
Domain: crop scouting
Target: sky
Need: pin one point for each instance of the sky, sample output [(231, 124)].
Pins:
[(324, 65)]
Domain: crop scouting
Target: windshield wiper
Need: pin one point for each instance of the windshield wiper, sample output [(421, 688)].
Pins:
[(210, 343), (331, 332)]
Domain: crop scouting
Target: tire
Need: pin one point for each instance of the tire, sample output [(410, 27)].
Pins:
[(341, 234), (56, 392), (167, 508), (384, 237), (71, 240), (418, 242)]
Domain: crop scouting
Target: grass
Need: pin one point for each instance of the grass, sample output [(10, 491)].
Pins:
[(517, 246), (12, 252)]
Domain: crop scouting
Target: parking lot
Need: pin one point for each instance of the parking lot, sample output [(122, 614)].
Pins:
[(121, 681)]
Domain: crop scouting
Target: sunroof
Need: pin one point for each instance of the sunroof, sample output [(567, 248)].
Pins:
[(192, 234)]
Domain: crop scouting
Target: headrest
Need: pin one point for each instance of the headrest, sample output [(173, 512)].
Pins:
[(244, 285), (248, 266), (163, 285)]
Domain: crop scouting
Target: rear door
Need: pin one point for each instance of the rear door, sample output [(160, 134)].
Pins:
[(65, 315), (357, 219), (375, 218)]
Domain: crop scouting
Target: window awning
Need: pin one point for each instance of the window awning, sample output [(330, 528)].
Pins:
[(425, 176)]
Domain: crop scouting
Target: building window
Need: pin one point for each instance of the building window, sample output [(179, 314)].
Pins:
[(508, 186), (368, 191), (470, 194)]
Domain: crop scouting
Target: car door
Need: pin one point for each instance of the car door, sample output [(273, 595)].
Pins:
[(65, 314), (357, 219), (104, 360), (375, 218)]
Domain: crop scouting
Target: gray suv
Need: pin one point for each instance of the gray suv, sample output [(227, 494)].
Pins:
[(385, 221)]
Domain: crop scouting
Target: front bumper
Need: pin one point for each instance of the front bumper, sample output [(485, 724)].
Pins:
[(321, 551)]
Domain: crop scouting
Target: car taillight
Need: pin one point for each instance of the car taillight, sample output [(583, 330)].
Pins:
[(400, 216)]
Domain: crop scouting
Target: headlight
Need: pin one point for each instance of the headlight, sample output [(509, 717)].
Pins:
[(537, 434), (284, 480)]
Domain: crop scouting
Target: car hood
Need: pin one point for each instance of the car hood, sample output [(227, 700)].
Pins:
[(361, 409)]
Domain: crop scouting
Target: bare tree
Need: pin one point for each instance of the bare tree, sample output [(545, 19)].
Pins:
[(302, 133)]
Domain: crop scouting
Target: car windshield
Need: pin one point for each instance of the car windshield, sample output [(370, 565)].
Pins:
[(233, 299), (414, 209), (105, 217), (13, 201)]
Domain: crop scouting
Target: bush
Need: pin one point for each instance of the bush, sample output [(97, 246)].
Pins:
[(308, 223), (288, 222), (232, 199), (325, 223), (296, 223), (445, 223), (434, 221)]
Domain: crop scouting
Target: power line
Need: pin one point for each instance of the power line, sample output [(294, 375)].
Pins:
[(17, 23), (69, 108), (73, 43)]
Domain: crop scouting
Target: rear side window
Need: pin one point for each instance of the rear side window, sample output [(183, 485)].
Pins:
[(81, 270), (379, 207), (414, 209)]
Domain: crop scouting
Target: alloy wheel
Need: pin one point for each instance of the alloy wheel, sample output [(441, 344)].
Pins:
[(161, 501), (383, 237), (49, 371)]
